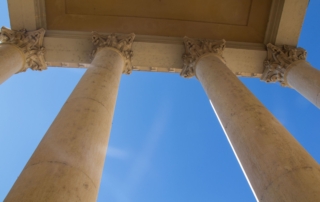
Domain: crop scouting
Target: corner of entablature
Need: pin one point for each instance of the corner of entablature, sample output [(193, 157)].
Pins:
[(122, 43), (278, 61), (30, 43), (196, 48)]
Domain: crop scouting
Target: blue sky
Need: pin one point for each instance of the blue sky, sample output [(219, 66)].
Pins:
[(166, 143)]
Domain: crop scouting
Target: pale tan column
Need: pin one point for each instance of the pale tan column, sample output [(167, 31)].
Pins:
[(20, 50), (67, 164), (287, 65), (11, 61), (276, 166)]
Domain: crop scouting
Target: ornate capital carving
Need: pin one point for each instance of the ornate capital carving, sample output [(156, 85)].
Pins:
[(122, 43), (30, 43), (278, 60), (195, 49)]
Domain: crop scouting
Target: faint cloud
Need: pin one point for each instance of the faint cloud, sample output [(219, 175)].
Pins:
[(143, 161), (116, 153), (301, 102), (281, 114)]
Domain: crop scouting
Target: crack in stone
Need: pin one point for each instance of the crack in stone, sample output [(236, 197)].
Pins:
[(88, 99), (282, 175), (65, 164), (241, 111)]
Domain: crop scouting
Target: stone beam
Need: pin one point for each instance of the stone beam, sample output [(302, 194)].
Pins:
[(287, 32), (158, 54)]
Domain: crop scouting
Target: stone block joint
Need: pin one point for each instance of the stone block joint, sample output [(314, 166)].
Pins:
[(123, 43), (279, 60), (196, 48), (29, 43)]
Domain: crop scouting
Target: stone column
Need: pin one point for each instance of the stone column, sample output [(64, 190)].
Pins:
[(287, 65), (20, 50), (276, 166), (67, 164)]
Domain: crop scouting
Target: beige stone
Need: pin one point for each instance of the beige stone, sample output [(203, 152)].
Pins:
[(67, 164), (12, 60), (237, 20), (21, 50), (277, 167), (156, 51), (72, 50), (287, 65), (306, 80), (247, 24)]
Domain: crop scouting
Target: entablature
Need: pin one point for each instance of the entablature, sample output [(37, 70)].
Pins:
[(151, 52)]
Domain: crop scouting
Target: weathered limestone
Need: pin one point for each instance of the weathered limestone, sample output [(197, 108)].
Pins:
[(20, 50), (306, 80), (277, 167), (68, 163), (11, 61), (287, 65)]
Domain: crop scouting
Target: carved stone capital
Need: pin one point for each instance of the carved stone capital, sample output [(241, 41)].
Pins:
[(278, 61), (122, 43), (30, 44), (195, 49)]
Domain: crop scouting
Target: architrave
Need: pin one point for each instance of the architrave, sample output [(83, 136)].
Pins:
[(157, 54), (72, 49)]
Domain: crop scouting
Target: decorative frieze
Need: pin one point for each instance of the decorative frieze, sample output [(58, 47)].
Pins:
[(122, 43), (196, 48), (278, 60), (30, 44)]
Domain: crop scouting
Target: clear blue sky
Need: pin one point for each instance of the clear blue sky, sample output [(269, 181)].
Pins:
[(166, 143)]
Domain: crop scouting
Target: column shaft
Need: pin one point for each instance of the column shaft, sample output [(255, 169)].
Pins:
[(277, 166), (306, 80), (67, 164), (11, 61), (287, 64)]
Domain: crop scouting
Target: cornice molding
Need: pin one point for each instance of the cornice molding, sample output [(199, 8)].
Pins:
[(30, 44), (274, 21), (278, 62), (123, 43), (196, 48), (40, 13)]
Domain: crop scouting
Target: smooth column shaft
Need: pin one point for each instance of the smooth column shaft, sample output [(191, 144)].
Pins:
[(277, 166), (67, 164), (11, 61), (306, 80)]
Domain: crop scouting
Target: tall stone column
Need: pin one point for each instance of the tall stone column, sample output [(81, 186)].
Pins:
[(20, 50), (67, 164), (276, 166), (288, 65)]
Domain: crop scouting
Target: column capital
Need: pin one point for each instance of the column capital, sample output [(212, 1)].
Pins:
[(195, 49), (30, 44), (123, 43), (279, 60)]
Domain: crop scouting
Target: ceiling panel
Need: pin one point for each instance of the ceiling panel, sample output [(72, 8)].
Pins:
[(233, 20), (234, 12)]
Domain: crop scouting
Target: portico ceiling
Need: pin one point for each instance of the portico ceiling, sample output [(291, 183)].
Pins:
[(233, 20), (159, 26)]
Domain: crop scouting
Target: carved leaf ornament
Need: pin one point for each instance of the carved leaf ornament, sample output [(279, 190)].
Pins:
[(195, 49), (30, 44), (278, 60), (122, 43)]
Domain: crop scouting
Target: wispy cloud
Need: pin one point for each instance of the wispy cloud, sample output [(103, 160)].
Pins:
[(117, 153), (142, 163)]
